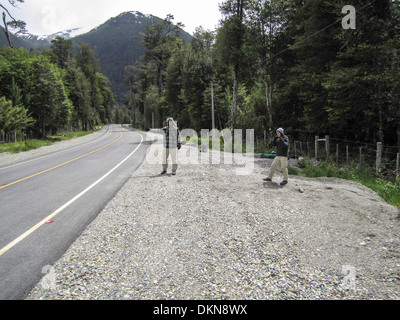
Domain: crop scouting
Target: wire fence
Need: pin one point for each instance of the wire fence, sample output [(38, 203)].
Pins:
[(15, 137), (378, 157)]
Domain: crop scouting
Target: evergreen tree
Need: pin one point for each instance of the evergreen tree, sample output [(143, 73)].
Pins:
[(230, 44), (13, 118), (49, 104), (361, 80)]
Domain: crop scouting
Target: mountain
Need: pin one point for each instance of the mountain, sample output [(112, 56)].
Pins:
[(32, 41), (44, 41), (16, 40), (116, 43)]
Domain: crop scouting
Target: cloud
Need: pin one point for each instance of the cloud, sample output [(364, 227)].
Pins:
[(50, 16)]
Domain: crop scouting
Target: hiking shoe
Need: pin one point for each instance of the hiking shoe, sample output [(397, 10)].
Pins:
[(174, 173), (164, 172), (267, 179), (284, 183)]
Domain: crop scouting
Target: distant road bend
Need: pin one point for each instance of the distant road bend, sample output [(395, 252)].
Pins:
[(46, 203)]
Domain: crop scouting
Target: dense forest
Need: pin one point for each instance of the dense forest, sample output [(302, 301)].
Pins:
[(275, 63), (271, 63), (52, 90)]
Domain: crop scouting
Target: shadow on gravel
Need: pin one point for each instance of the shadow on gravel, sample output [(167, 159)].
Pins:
[(272, 185)]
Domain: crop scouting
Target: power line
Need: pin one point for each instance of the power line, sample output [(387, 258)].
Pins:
[(307, 38)]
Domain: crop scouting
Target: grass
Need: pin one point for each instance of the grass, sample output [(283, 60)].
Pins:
[(387, 188), (23, 146), (222, 145), (69, 135)]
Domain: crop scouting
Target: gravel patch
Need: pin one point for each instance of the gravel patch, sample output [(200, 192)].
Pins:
[(209, 233)]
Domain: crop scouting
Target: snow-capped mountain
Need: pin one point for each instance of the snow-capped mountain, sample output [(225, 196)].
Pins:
[(45, 40), (116, 43)]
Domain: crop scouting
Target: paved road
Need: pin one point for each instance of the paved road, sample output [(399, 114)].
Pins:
[(45, 204)]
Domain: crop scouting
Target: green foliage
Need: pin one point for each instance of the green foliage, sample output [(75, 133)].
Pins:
[(22, 146), (281, 64), (390, 190), (57, 88), (13, 118)]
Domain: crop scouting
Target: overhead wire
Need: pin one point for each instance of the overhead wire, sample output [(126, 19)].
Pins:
[(290, 47)]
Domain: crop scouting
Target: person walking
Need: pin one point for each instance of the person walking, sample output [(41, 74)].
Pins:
[(172, 143), (282, 143)]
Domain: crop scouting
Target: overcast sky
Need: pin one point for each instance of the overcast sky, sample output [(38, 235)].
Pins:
[(45, 17)]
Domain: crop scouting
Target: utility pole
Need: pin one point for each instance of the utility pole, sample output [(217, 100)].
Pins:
[(212, 104)]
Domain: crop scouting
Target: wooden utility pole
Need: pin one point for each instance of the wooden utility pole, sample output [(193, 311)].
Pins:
[(212, 105)]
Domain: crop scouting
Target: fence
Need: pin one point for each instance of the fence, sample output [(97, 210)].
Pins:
[(343, 152), (14, 137)]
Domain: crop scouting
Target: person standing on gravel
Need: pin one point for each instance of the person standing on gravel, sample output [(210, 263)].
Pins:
[(172, 143), (282, 143)]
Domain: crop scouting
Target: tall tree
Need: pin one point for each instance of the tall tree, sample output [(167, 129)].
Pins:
[(267, 20), (50, 104), (230, 43), (360, 82), (88, 63), (62, 49), (159, 42)]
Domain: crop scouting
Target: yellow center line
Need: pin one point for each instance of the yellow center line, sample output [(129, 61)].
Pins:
[(61, 209), (60, 165)]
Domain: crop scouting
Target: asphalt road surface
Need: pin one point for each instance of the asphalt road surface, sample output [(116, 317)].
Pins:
[(46, 203)]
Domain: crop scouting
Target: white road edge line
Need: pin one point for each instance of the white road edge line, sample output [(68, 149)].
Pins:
[(41, 223)]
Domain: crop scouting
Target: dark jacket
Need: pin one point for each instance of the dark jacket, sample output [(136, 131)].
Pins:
[(282, 144), (172, 138)]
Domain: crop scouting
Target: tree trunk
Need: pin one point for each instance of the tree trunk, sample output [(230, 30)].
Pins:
[(235, 95), (160, 82), (380, 124), (268, 92), (6, 31)]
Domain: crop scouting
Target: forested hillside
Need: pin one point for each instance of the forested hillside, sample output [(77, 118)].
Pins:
[(117, 44), (278, 63), (52, 90)]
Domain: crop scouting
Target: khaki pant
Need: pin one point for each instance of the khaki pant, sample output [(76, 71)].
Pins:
[(283, 162), (173, 152)]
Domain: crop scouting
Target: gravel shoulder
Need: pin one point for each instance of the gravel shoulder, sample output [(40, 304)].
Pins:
[(209, 233)]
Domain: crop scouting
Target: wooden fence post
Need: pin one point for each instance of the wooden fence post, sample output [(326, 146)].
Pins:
[(327, 147), (360, 156), (337, 154), (398, 164), (378, 157), (316, 147), (265, 138)]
